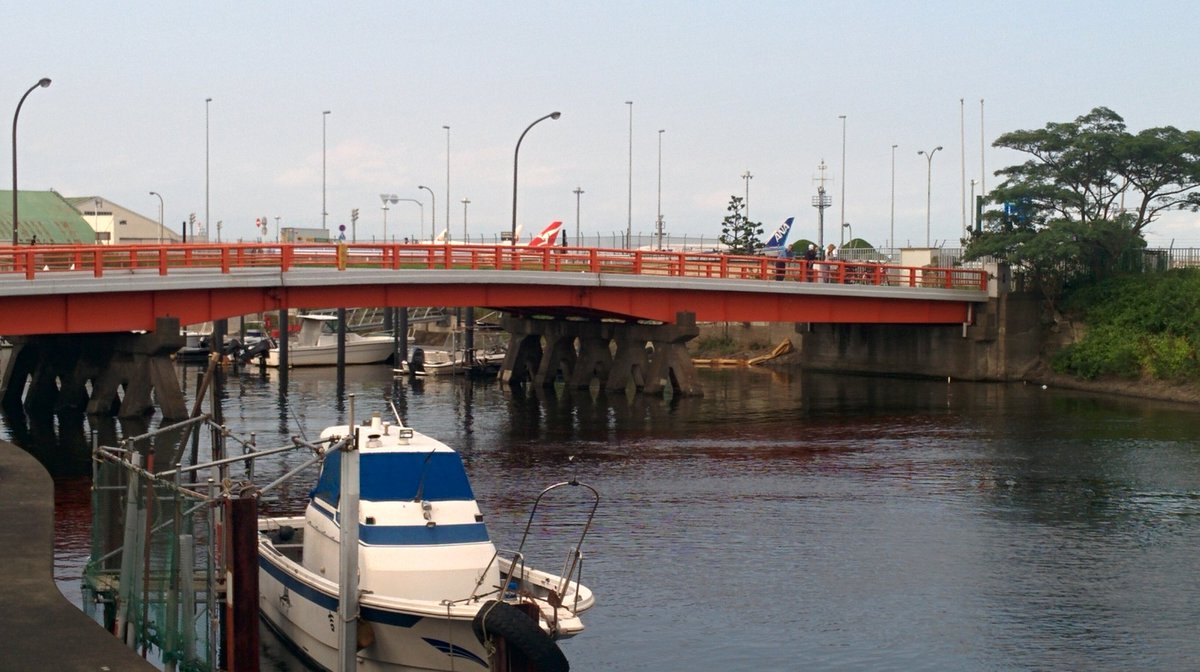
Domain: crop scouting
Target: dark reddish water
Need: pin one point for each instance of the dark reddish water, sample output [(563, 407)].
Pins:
[(809, 522)]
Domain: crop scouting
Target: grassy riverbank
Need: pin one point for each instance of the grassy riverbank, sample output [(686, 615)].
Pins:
[(1136, 335)]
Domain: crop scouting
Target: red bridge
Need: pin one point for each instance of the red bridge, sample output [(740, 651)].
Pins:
[(90, 289)]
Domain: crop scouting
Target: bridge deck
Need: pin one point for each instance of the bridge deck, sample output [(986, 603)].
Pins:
[(74, 289)]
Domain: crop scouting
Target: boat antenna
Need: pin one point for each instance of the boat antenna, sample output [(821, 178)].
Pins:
[(424, 473), (396, 412), (299, 425)]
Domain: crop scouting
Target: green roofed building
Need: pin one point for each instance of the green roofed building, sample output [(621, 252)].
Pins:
[(54, 219), (46, 217)]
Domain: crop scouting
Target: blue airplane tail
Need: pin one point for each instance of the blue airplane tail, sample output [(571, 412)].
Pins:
[(777, 245)]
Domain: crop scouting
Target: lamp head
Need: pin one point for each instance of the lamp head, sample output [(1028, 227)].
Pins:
[(44, 82), (555, 115), (937, 148), (421, 186)]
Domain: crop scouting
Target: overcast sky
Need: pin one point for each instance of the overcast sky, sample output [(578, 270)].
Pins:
[(755, 86)]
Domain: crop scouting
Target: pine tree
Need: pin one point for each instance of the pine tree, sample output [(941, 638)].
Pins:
[(738, 234)]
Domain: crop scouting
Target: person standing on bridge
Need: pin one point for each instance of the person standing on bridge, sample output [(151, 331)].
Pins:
[(810, 259), (831, 259)]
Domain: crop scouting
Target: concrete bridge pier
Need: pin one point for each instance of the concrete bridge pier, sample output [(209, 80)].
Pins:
[(558, 354), (595, 360), (58, 369), (581, 351), (524, 354)]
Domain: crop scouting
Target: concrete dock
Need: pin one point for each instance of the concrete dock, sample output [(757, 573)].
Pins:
[(42, 630)]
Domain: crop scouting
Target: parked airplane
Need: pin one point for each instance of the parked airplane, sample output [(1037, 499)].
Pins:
[(547, 238)]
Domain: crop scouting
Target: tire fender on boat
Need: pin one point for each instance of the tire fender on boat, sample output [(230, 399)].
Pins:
[(500, 619)]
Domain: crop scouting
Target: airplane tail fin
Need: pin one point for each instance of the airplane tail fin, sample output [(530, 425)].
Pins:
[(548, 235), (778, 241)]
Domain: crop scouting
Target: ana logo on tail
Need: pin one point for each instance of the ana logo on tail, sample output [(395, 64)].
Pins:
[(777, 244), (548, 235)]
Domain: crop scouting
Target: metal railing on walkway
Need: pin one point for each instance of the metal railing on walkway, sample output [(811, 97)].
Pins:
[(35, 262)]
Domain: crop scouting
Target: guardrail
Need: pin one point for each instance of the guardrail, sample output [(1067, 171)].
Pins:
[(35, 262)]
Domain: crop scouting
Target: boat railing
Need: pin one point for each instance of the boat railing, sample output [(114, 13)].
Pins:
[(573, 565)]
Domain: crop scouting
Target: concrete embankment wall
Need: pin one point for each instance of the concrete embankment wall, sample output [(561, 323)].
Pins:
[(1002, 343), (42, 630)]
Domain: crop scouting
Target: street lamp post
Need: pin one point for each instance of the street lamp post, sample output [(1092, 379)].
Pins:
[(387, 198), (421, 223), (578, 192), (324, 209), (516, 155), (465, 203), (433, 216), (659, 221), (843, 205), (447, 181), (928, 186), (207, 103), (892, 225), (277, 234), (43, 83), (629, 213), (747, 177), (971, 223), (160, 216)]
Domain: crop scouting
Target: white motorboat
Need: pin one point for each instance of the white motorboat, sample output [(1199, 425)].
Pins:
[(439, 362), (435, 592), (316, 345)]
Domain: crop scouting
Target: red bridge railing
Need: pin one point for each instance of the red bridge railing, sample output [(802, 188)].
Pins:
[(35, 262)]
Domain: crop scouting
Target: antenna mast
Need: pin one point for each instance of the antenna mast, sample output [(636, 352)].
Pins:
[(821, 201)]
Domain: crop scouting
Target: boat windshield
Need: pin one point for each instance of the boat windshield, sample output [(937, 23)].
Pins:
[(392, 477)]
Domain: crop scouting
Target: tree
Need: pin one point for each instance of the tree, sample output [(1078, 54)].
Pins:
[(738, 234), (1085, 196)]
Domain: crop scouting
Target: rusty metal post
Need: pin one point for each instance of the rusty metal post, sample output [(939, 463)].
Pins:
[(241, 594)]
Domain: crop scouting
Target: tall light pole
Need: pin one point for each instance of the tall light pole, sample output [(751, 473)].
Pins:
[(747, 177), (387, 198), (892, 226), (447, 181), (207, 102), (841, 229), (629, 214), (962, 144), (578, 192), (278, 236), (324, 209), (421, 223), (43, 83), (433, 216), (659, 221), (160, 215), (971, 217), (928, 185), (516, 155), (465, 203)]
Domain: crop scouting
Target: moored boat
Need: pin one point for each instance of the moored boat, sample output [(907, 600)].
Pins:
[(434, 588), (316, 345)]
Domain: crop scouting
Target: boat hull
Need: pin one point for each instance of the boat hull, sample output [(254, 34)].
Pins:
[(366, 351), (306, 616)]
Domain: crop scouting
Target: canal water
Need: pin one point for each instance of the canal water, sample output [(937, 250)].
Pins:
[(805, 521)]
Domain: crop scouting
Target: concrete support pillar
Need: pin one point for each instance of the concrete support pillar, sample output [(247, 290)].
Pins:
[(58, 368), (16, 372), (558, 355), (667, 362), (630, 363), (595, 359), (522, 359)]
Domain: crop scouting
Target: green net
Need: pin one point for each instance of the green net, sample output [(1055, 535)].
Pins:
[(151, 566)]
